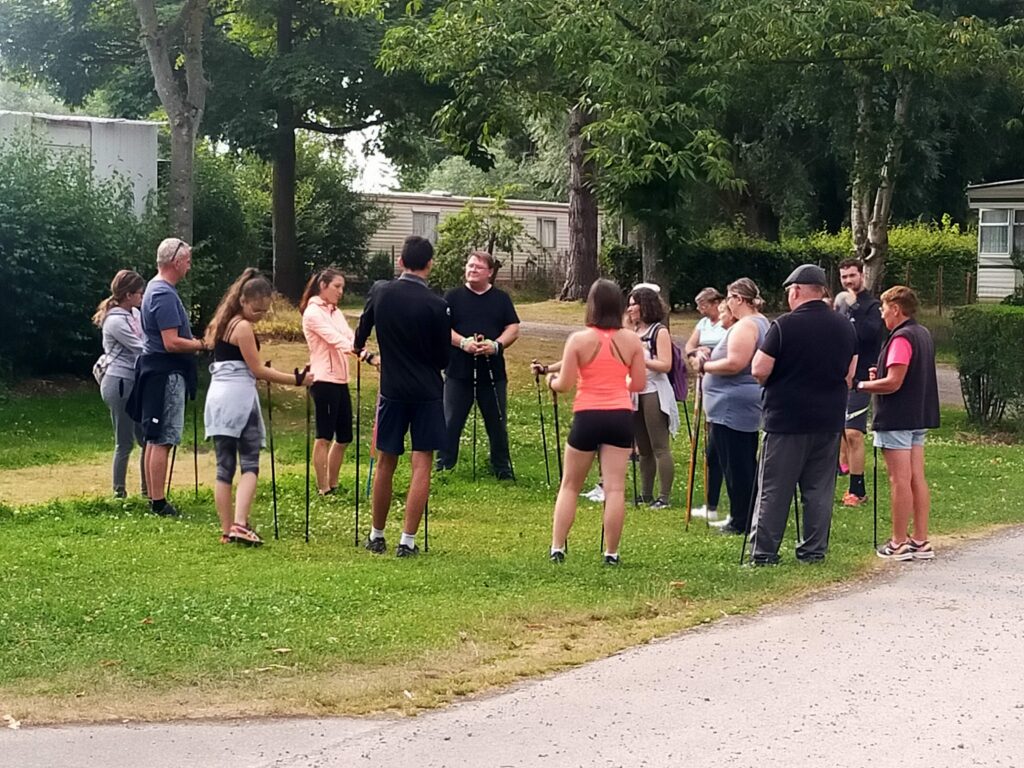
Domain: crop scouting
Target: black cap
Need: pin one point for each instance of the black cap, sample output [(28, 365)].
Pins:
[(806, 274)]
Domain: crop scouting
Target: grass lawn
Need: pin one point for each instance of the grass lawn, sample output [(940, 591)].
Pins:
[(107, 612)]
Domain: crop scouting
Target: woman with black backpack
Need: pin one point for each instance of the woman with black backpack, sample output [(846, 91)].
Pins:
[(656, 415)]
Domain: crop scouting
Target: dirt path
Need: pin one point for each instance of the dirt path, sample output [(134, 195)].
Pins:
[(913, 669), (949, 380)]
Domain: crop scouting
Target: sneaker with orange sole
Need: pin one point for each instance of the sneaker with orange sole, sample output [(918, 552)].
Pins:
[(853, 500)]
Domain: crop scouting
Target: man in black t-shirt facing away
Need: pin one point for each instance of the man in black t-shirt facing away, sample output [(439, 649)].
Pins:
[(414, 334), (805, 364), (484, 325)]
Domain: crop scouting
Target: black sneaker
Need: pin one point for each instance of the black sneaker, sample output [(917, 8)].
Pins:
[(377, 546), (404, 551), (611, 560), (558, 556), (763, 561), (659, 504), (167, 510)]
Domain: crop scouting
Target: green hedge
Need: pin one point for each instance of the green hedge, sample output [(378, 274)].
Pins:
[(916, 253), (990, 358)]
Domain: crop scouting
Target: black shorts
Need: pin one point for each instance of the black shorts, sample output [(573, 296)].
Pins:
[(333, 411), (423, 419), (857, 410), (592, 429)]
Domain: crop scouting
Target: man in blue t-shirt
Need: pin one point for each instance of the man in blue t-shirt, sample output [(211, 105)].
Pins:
[(484, 325), (805, 364), (166, 370)]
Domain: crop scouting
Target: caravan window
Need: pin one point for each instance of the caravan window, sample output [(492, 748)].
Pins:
[(425, 225), (547, 233), (994, 232)]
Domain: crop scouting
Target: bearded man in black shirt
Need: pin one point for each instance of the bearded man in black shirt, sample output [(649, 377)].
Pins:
[(484, 325)]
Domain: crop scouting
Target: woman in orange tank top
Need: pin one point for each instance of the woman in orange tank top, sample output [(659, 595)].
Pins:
[(605, 363)]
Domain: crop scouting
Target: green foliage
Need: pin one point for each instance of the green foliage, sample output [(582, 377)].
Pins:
[(990, 358), (620, 263), (917, 251), (489, 228), (63, 235)]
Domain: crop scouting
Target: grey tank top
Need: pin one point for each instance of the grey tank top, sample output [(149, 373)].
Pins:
[(734, 401)]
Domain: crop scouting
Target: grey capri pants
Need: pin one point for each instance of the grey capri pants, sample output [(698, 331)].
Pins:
[(244, 450)]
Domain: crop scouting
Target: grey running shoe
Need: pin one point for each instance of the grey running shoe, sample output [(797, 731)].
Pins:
[(404, 551)]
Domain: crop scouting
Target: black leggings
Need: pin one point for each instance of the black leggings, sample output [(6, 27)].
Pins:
[(737, 454)]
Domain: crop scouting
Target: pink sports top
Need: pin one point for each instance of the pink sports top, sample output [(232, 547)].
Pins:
[(601, 385)]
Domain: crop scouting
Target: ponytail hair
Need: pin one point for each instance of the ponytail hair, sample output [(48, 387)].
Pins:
[(251, 284), (317, 283), (125, 283)]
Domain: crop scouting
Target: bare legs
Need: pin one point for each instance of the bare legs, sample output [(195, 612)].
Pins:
[(419, 489), (908, 491), (243, 501), (613, 474), (853, 442), (327, 460), (156, 470)]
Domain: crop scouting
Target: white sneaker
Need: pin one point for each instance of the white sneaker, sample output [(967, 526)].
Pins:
[(722, 523), (703, 512), (596, 494)]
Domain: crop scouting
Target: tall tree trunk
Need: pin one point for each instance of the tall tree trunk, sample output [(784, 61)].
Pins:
[(581, 270), (184, 102), (288, 271), (873, 188), (652, 260)]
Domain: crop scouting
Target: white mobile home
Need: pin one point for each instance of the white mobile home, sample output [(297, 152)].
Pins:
[(127, 148), (546, 226), (1000, 207)]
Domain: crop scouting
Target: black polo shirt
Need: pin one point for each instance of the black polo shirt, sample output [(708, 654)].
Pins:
[(414, 336), (806, 391), (488, 313)]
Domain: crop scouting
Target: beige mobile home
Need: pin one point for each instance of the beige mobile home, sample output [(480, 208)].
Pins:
[(125, 148), (1000, 207), (411, 213)]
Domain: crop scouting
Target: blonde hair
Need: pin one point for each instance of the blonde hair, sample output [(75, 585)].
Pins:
[(747, 290), (125, 283), (903, 297)]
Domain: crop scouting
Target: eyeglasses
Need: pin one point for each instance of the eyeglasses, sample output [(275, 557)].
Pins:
[(733, 296)]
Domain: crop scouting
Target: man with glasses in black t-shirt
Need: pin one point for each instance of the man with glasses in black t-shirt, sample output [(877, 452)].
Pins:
[(806, 365), (484, 325)]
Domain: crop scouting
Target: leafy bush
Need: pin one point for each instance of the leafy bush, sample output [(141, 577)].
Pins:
[(620, 263), (990, 359), (916, 253), (490, 228), (63, 235)]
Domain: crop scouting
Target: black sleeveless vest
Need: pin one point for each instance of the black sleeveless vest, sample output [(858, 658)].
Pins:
[(916, 404)]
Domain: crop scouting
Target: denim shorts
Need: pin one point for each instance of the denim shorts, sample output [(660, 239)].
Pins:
[(900, 439), (173, 419)]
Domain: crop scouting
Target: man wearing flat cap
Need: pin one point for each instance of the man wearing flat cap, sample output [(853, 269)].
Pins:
[(805, 364)]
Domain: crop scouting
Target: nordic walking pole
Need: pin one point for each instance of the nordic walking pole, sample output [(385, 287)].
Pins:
[(692, 471), (636, 497), (195, 443), (796, 511), (273, 465), (502, 413), (543, 434), (754, 499), (558, 437), (170, 474), (307, 459), (874, 491), (474, 420), (359, 411), (707, 487), (426, 525), (686, 414)]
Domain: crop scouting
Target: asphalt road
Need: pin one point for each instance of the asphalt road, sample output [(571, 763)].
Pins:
[(920, 666)]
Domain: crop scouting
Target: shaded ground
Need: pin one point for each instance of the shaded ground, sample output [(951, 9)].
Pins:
[(913, 668)]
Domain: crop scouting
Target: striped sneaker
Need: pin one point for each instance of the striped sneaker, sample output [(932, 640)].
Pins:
[(892, 551), (921, 550)]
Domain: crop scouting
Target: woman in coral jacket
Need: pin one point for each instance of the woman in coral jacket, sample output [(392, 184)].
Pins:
[(330, 341)]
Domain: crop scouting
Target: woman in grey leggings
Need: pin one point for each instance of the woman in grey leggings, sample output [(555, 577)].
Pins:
[(118, 317), (232, 414)]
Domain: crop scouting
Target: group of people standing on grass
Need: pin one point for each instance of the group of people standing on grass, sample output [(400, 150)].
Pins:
[(803, 380)]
